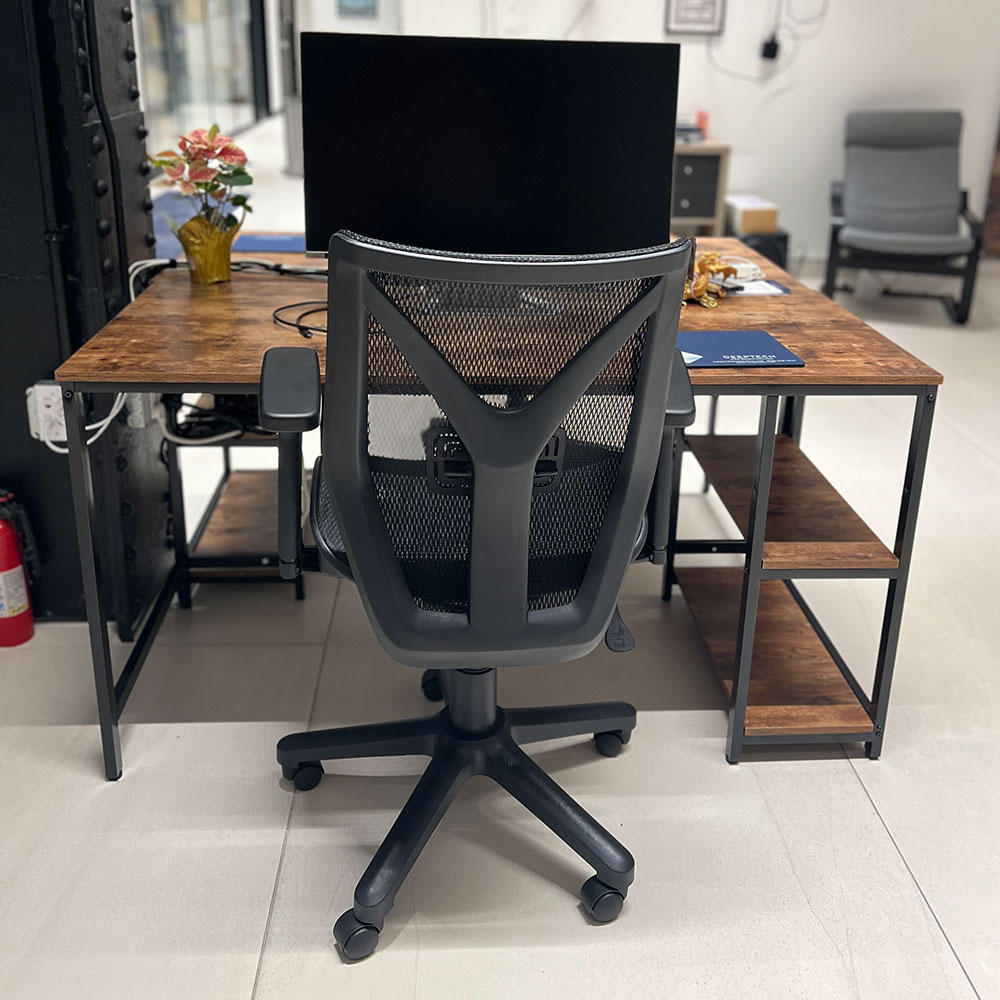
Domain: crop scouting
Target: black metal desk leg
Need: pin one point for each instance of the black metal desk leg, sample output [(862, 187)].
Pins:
[(178, 525), (713, 414), (763, 461), (791, 417), (905, 529), (676, 458), (86, 519)]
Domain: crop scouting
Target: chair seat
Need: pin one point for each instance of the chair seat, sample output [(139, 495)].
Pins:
[(906, 244), (437, 570)]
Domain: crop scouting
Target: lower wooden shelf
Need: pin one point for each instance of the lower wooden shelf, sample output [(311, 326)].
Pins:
[(245, 518), (795, 686)]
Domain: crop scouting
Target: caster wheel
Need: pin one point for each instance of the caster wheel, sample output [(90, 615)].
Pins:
[(601, 901), (430, 684), (356, 940), (610, 744), (305, 776)]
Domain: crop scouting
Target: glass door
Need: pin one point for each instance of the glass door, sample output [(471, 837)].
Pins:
[(196, 66)]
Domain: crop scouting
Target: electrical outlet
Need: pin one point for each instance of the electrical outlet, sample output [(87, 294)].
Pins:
[(157, 411), (137, 406), (46, 418)]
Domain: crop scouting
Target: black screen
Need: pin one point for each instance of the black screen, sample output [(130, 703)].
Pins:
[(488, 145)]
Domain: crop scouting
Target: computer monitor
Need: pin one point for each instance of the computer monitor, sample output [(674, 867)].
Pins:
[(487, 145)]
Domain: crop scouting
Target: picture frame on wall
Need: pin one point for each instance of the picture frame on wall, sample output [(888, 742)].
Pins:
[(695, 17), (357, 8)]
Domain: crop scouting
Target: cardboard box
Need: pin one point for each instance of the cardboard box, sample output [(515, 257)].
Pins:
[(748, 213)]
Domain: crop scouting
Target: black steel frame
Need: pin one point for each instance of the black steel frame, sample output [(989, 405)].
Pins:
[(753, 572), (112, 693)]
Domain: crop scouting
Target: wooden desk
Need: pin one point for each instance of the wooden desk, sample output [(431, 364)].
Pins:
[(178, 338), (181, 337)]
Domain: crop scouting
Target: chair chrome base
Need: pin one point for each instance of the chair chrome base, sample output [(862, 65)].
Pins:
[(468, 737)]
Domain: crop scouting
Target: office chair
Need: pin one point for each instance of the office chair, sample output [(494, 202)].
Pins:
[(491, 429), (899, 205)]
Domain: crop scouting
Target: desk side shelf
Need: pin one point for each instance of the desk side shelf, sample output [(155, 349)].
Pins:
[(242, 521), (237, 538), (809, 524), (796, 687)]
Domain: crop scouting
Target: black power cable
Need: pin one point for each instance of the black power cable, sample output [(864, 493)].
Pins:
[(309, 308)]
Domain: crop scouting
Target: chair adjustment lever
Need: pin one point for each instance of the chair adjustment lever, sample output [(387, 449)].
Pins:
[(618, 638)]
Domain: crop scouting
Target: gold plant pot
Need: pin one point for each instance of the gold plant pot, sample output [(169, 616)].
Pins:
[(207, 250)]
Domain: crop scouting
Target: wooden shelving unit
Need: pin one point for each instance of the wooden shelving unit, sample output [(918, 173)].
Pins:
[(244, 519), (795, 685), (799, 688), (809, 524)]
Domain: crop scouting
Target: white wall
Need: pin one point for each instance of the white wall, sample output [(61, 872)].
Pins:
[(785, 125), (786, 131), (323, 15)]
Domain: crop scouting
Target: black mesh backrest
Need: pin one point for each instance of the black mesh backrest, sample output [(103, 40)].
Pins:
[(483, 444)]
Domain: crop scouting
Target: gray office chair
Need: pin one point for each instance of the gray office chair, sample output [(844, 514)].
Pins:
[(899, 206), (491, 430)]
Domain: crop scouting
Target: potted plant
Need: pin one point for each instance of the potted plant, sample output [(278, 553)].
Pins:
[(211, 169)]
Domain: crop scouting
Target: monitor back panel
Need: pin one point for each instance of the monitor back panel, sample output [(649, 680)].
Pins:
[(488, 145)]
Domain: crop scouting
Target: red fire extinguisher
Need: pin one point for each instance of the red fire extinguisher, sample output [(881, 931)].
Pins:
[(17, 624)]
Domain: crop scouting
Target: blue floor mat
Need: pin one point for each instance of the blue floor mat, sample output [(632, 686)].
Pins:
[(271, 243), (173, 205)]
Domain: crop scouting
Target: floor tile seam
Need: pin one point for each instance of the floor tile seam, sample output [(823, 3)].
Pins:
[(291, 804), (322, 661), (274, 895), (913, 877)]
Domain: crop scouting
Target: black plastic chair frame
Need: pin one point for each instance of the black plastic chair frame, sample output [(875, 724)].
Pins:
[(472, 734), (963, 266)]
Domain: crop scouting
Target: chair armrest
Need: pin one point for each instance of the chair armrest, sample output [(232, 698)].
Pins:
[(289, 404), (975, 223), (837, 200), (289, 390), (680, 399), (289, 505)]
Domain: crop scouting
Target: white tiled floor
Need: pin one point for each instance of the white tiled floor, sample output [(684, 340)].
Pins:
[(817, 874)]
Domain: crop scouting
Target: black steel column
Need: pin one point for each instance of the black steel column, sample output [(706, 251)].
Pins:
[(258, 59), (763, 461), (913, 481)]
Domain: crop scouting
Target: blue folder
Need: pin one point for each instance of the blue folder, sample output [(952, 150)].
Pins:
[(734, 349)]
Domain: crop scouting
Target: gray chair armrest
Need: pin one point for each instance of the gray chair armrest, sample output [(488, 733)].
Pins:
[(680, 399), (837, 201), (289, 390)]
